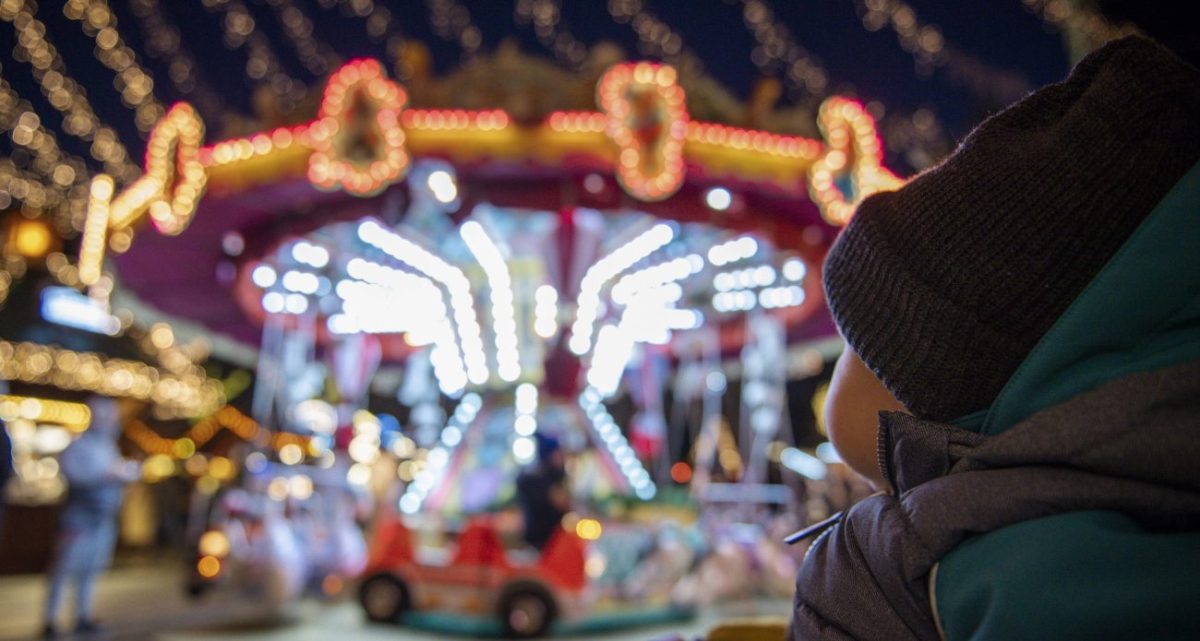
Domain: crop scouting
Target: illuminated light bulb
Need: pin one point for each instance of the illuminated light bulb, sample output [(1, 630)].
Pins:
[(290, 454), (263, 276), (524, 449), (273, 302), (296, 304), (451, 436), (525, 425), (718, 198), (443, 186), (794, 269), (764, 275), (358, 474)]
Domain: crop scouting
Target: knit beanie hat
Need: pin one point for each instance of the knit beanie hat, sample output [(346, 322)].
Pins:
[(944, 286)]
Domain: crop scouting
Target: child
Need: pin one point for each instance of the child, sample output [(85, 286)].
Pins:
[(1022, 376)]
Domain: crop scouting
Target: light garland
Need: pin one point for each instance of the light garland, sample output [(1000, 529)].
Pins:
[(775, 45), (91, 248), (607, 433), (63, 92), (854, 148), (648, 120), (588, 301), (330, 167), (73, 416), (379, 25), (227, 418), (655, 36), (452, 21), (1087, 30), (176, 396), (165, 43), (316, 56), (61, 170), (546, 16), (438, 458), (241, 31), (134, 83), (504, 323), (174, 178), (929, 49), (462, 303)]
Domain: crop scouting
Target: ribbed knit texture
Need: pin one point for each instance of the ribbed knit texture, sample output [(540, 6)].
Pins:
[(944, 286)]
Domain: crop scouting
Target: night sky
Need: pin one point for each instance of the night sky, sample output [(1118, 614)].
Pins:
[(870, 65)]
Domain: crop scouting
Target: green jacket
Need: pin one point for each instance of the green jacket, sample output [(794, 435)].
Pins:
[(1093, 574)]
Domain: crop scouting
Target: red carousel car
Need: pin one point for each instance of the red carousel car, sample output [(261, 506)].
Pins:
[(526, 592)]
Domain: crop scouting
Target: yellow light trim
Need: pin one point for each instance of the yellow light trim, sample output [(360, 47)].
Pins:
[(853, 149), (204, 430), (329, 167), (95, 229), (73, 416), (174, 395), (649, 168), (175, 177), (178, 170)]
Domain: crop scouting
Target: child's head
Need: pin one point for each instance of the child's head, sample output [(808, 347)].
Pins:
[(942, 288)]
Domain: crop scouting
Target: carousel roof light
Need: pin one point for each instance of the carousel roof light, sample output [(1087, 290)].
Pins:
[(504, 323), (606, 269), (718, 198)]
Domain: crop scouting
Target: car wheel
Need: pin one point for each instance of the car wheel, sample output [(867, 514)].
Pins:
[(384, 598), (526, 610)]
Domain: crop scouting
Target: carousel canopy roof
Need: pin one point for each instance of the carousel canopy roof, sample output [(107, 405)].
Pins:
[(94, 76)]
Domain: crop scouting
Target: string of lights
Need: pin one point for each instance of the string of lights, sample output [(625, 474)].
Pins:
[(776, 48), (929, 49), (26, 187), (1086, 30), (920, 139), (452, 21), (379, 25), (60, 168), (133, 82), (546, 17), (655, 36), (64, 93), (316, 56), (164, 42), (241, 31), (173, 396), (58, 172)]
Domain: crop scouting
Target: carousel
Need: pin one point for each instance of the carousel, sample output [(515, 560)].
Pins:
[(595, 260)]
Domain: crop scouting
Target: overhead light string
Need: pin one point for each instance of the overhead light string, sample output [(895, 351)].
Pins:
[(64, 93), (316, 56), (452, 21), (164, 43), (549, 27), (134, 83), (262, 65)]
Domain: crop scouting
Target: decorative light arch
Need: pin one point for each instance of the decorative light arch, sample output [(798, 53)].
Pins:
[(647, 119), (339, 125)]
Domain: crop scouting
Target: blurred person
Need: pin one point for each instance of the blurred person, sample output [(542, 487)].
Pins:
[(1022, 376), (542, 492), (96, 475)]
